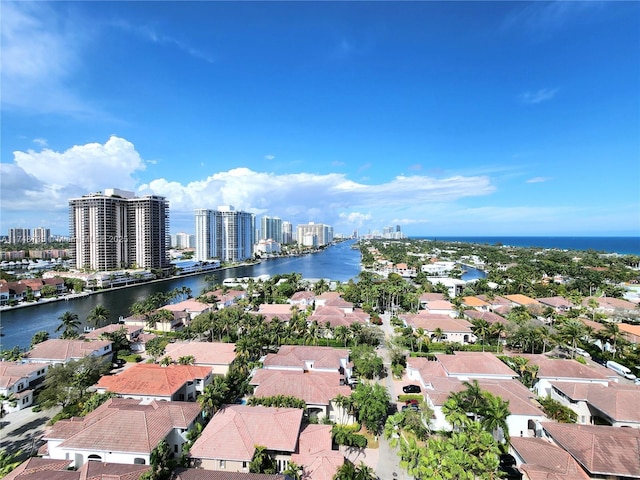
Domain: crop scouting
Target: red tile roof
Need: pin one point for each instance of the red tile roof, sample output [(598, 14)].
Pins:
[(621, 403), (566, 368), (235, 430), (545, 461), (297, 356), (64, 350), (314, 452), (200, 474), (474, 364), (204, 353), (601, 450), (149, 379), (124, 425), (317, 388)]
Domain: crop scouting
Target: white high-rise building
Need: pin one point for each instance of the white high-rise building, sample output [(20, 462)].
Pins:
[(118, 230), (271, 228), (41, 235), (19, 235), (287, 233), (314, 234), (225, 234), (183, 240)]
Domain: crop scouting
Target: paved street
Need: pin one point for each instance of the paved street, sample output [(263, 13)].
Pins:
[(23, 430)]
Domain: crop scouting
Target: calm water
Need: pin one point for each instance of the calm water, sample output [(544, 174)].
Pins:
[(339, 262), (623, 245)]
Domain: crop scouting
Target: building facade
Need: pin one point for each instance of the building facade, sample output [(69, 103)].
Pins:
[(19, 235), (41, 235), (118, 230), (287, 233), (314, 234), (226, 234), (271, 228)]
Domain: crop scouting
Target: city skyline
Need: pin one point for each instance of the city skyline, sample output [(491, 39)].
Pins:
[(446, 118)]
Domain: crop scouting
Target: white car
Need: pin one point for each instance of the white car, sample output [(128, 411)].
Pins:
[(583, 353)]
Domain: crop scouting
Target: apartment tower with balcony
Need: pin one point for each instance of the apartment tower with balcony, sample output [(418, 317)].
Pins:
[(226, 234), (115, 230)]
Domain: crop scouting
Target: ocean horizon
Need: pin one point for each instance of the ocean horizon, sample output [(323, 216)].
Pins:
[(625, 245)]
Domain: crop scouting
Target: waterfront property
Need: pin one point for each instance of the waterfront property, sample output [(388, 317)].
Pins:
[(58, 351)]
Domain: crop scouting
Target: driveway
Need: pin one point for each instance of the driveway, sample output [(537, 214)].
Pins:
[(22, 430)]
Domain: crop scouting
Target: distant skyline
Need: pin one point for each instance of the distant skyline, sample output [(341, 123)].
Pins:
[(446, 118)]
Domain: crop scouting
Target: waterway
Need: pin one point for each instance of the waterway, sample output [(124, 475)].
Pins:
[(338, 262)]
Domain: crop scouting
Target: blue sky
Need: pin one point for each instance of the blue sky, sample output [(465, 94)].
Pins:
[(447, 118)]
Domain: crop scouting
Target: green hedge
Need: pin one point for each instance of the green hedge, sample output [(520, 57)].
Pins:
[(410, 396)]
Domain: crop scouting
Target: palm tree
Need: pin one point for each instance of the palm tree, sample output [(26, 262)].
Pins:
[(481, 328), (69, 324), (494, 416), (98, 317), (213, 396), (294, 471), (571, 331)]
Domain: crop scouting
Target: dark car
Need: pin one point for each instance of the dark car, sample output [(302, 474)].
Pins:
[(410, 407), (411, 389)]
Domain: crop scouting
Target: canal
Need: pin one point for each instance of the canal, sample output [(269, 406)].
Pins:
[(338, 262)]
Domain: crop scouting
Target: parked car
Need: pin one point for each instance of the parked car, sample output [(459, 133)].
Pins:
[(410, 407), (413, 401), (411, 389)]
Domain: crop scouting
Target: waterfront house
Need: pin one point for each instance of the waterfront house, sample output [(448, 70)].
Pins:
[(317, 389), (122, 431), (17, 382), (225, 298), (130, 331), (150, 381), (57, 351), (215, 355), (4, 292)]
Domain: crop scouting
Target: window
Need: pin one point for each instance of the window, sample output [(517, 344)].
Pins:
[(244, 465), (175, 448), (222, 464)]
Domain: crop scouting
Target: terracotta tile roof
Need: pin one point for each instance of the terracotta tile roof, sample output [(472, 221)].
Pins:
[(545, 461), (631, 332), (275, 308), (566, 368), (315, 454), (439, 305), (317, 388), (64, 350), (189, 305), (336, 317), (611, 303), (124, 425), (298, 356), (111, 471), (490, 317), (427, 368), (497, 300), (114, 327), (429, 297), (597, 326), (204, 353), (303, 295), (601, 450), (619, 402), (151, 379), (474, 302), (556, 302), (521, 400), (200, 474), (235, 430), (475, 364), (11, 372), (521, 299), (36, 468), (431, 321)]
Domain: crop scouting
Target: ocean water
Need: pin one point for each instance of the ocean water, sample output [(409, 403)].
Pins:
[(622, 245)]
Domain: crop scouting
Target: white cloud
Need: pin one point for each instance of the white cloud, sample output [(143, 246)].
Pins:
[(42, 142), (538, 96), (269, 157), (357, 219), (537, 180), (47, 179), (39, 52)]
